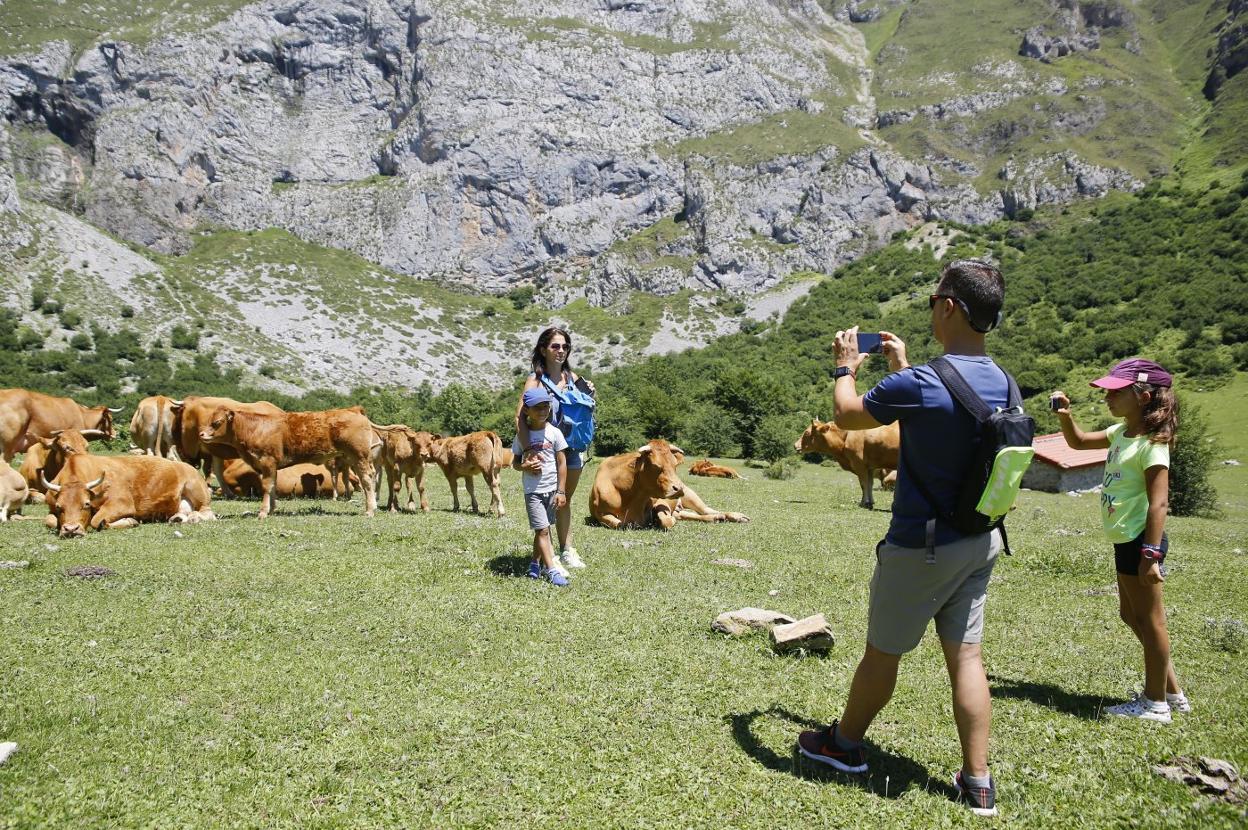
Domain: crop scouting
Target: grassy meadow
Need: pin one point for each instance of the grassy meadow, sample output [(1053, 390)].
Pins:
[(325, 670)]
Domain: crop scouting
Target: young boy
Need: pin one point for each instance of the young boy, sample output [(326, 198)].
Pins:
[(545, 475)]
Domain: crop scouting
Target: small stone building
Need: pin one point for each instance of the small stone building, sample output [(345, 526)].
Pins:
[(1058, 469)]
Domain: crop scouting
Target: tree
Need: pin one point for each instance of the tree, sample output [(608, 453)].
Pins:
[(708, 430), (461, 410), (749, 397), (1191, 459)]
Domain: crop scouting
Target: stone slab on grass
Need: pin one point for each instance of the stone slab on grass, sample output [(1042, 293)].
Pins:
[(812, 634), (1207, 776), (744, 620), (7, 748)]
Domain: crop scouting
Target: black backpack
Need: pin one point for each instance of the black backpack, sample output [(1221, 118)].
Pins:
[(1000, 456)]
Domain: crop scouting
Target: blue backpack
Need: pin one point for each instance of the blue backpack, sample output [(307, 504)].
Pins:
[(576, 414)]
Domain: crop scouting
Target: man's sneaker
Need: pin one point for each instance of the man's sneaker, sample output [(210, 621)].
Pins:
[(570, 559), (981, 800), (1179, 703), (819, 745), (555, 577), (1143, 708), (535, 570)]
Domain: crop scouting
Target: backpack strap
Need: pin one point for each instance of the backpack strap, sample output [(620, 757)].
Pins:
[(929, 530), (960, 390)]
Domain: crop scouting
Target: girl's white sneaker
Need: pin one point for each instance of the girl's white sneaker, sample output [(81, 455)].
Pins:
[(1142, 708), (1179, 703)]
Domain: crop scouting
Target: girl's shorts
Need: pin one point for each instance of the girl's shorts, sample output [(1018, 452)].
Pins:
[(1127, 554)]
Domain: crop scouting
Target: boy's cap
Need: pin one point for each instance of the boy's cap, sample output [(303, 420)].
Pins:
[(536, 395), (1135, 370)]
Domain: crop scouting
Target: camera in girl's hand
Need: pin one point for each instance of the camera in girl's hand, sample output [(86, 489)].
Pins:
[(1055, 403)]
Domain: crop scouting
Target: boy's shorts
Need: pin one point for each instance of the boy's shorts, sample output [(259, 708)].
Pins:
[(541, 509), (907, 592), (1127, 555)]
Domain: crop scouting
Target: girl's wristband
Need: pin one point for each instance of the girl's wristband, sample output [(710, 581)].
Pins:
[(1150, 551)]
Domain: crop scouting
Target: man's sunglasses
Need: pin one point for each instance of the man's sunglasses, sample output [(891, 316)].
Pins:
[(931, 303)]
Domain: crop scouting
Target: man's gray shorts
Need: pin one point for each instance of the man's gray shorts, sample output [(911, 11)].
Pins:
[(907, 591), (541, 509)]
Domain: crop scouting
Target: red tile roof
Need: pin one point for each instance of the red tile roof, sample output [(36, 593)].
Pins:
[(1054, 450)]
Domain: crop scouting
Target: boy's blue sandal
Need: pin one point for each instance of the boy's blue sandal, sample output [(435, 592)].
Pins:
[(535, 570), (555, 577)]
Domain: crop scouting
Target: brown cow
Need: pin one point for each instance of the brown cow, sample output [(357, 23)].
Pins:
[(311, 481), (13, 492), (463, 457), (151, 426), (189, 420), (47, 455), (120, 491), (403, 455), (706, 468), (860, 451), (641, 489), (25, 416), (268, 442)]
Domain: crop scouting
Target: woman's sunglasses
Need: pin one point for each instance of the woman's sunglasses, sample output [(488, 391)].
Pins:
[(559, 347)]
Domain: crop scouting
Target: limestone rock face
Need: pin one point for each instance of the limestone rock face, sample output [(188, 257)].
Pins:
[(493, 143)]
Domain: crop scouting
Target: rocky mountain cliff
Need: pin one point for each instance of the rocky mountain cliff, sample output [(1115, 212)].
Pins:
[(586, 148)]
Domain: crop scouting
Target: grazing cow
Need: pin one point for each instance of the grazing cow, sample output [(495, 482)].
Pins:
[(190, 416), (151, 426), (641, 489), (13, 492), (706, 468), (120, 491), (268, 442), (463, 457), (47, 455), (26, 416), (403, 454), (860, 451), (311, 481)]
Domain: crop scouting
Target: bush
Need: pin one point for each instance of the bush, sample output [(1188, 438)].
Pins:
[(784, 469), (127, 311), (37, 297), (1193, 456), (618, 429), (520, 298), (708, 430), (81, 341), (183, 338), (775, 437), (70, 319), (461, 410)]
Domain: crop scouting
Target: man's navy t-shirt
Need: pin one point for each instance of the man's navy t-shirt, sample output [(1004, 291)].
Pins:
[(937, 434)]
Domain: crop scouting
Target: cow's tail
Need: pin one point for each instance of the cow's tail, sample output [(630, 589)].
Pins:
[(496, 445)]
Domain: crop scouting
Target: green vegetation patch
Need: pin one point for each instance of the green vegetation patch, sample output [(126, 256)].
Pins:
[(788, 133)]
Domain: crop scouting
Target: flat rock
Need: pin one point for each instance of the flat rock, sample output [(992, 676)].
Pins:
[(1207, 776), (11, 565), (89, 571), (7, 748), (734, 563), (745, 620), (812, 634)]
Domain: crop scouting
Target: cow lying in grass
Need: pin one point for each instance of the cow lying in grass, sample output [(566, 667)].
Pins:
[(298, 481), (114, 492), (641, 489), (706, 468)]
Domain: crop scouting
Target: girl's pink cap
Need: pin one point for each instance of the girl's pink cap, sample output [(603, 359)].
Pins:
[(1135, 370)]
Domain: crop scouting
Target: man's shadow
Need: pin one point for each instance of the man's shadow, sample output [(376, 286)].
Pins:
[(1049, 696), (889, 776)]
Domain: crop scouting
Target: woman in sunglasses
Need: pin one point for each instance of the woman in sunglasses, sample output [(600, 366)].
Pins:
[(551, 365)]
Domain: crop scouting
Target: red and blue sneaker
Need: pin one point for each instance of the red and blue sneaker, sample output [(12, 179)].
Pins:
[(820, 745)]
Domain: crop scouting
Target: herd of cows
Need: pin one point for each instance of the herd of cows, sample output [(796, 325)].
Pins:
[(258, 449)]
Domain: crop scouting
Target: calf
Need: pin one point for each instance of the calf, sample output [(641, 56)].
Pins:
[(465, 456), (151, 426), (46, 456), (13, 492), (267, 442), (120, 491), (191, 415), (641, 489), (860, 451), (403, 454)]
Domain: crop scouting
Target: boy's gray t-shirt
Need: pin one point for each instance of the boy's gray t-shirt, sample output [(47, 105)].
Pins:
[(547, 442)]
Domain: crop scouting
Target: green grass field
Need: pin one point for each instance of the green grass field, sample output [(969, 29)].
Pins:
[(325, 670)]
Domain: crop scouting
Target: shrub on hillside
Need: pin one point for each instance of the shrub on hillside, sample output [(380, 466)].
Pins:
[(708, 430), (775, 437), (784, 469), (1191, 459), (183, 338)]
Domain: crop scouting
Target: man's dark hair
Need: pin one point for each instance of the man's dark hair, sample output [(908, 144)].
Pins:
[(979, 285)]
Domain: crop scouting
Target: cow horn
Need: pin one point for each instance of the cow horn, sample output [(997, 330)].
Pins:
[(94, 434), (47, 485), (677, 449), (114, 410), (55, 433), (92, 485)]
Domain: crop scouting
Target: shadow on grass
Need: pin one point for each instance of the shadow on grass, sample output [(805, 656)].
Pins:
[(505, 565), (890, 775), (1049, 696)]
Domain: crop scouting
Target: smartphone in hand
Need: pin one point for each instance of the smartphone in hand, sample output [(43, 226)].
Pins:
[(870, 343)]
